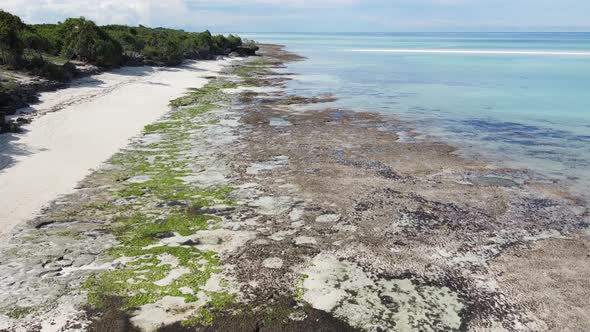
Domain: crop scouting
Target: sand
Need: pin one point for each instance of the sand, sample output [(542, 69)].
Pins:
[(95, 118)]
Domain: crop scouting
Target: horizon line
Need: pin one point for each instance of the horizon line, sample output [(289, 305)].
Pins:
[(304, 32)]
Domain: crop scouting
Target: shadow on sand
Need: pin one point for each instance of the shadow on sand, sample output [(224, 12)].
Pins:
[(10, 149)]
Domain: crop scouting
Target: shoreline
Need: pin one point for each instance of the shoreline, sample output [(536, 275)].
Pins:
[(236, 211), (97, 116)]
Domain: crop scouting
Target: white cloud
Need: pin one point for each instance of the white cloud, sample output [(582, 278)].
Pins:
[(285, 3), (103, 11), (149, 12), (177, 13), (311, 15)]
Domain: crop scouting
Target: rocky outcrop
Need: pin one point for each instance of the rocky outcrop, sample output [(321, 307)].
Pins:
[(25, 90), (201, 54), (19, 96), (247, 49)]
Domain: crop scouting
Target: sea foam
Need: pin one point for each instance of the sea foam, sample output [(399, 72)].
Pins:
[(493, 52)]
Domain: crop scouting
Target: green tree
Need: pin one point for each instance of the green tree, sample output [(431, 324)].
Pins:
[(33, 41), (52, 35), (85, 41), (11, 46)]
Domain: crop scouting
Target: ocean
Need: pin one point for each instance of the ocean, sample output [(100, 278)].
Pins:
[(511, 99)]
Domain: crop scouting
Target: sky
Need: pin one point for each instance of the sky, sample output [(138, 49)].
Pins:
[(317, 15)]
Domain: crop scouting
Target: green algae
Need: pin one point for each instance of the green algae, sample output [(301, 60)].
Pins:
[(160, 127), (192, 111), (139, 231), (299, 290), (144, 261), (164, 161), (210, 94), (218, 302), (136, 284), (253, 67), (277, 314), (20, 312)]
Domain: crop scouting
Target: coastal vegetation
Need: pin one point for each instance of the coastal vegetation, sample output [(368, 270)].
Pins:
[(11, 46), (168, 46), (105, 46), (56, 52)]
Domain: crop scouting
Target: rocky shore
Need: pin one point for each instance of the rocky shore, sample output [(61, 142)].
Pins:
[(240, 211)]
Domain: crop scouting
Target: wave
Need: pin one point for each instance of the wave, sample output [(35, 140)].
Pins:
[(493, 52)]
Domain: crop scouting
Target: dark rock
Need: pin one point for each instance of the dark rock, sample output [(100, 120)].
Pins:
[(176, 203), (22, 121), (201, 54), (151, 63), (247, 49), (50, 271), (110, 317), (164, 235), (386, 300), (134, 59), (215, 210), (191, 243), (20, 96), (274, 316)]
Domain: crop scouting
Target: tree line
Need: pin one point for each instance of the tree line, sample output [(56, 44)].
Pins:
[(25, 46)]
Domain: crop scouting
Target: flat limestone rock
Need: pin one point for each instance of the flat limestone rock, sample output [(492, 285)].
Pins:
[(273, 263), (328, 218)]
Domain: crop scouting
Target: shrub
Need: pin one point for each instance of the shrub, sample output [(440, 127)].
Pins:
[(51, 71), (85, 41), (52, 38), (11, 46), (168, 46)]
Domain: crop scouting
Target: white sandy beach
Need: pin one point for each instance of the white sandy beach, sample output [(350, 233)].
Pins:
[(82, 126)]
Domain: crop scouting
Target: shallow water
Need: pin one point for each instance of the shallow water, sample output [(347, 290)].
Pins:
[(517, 99)]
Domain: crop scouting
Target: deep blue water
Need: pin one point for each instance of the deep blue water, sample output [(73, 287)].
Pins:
[(517, 99)]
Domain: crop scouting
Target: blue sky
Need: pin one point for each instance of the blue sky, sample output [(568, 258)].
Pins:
[(319, 15)]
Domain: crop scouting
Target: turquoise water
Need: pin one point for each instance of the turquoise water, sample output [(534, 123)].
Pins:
[(517, 99)]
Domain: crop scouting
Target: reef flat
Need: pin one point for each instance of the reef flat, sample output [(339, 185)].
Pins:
[(242, 211)]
